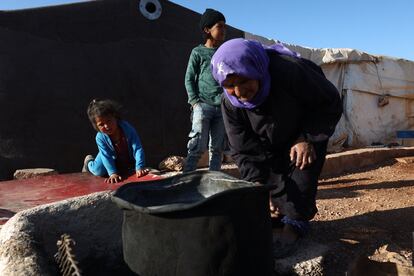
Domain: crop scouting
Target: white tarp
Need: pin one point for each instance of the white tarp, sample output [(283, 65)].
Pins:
[(377, 93)]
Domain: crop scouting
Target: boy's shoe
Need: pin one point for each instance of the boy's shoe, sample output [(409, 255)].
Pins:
[(88, 159)]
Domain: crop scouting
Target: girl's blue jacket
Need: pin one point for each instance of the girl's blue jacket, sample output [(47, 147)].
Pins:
[(107, 150)]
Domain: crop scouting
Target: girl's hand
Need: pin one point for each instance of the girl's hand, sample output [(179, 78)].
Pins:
[(142, 172), (114, 178), (302, 153)]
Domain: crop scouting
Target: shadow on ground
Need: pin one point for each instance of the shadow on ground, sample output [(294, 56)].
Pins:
[(356, 236), (353, 191)]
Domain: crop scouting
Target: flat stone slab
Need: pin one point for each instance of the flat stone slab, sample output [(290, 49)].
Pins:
[(343, 162), (29, 173), (339, 163), (405, 160)]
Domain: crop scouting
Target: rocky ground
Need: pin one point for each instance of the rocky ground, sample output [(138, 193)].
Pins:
[(366, 213)]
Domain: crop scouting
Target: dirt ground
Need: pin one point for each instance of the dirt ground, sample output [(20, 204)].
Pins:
[(367, 213)]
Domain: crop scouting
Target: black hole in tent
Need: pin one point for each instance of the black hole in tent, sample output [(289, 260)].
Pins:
[(150, 7)]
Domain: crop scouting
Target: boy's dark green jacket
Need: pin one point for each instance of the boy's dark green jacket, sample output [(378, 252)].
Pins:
[(199, 82)]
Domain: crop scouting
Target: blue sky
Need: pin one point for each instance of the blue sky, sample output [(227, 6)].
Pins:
[(374, 26)]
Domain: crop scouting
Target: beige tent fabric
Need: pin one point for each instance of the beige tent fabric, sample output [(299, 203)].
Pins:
[(377, 93)]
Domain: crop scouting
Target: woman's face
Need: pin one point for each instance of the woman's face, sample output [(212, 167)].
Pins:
[(242, 88)]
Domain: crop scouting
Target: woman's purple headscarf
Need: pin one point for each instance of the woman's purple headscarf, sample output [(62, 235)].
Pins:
[(247, 58)]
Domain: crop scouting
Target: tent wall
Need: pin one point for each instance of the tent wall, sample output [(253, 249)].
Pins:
[(55, 60), (377, 93), (379, 101)]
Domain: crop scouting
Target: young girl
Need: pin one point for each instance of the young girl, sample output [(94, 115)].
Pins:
[(120, 149)]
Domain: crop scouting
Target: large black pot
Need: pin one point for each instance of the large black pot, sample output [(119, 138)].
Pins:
[(195, 224)]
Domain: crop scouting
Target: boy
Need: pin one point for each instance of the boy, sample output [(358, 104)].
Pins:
[(204, 95)]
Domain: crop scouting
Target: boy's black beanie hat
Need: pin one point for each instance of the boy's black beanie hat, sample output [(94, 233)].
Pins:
[(210, 17)]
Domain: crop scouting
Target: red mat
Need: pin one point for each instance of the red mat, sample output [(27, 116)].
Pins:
[(18, 195)]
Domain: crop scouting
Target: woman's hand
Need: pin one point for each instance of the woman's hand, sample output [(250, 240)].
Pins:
[(114, 178), (142, 172), (302, 153), (274, 211)]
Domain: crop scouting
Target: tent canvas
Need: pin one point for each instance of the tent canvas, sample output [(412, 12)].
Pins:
[(377, 93)]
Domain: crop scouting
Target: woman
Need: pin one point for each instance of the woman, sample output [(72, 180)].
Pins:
[(279, 111)]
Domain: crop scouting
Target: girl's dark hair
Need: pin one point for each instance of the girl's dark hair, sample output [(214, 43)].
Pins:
[(100, 108)]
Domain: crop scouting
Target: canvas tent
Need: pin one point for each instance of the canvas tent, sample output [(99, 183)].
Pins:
[(54, 60), (377, 93)]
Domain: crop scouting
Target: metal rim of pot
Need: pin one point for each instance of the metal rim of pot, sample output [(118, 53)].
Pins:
[(169, 208)]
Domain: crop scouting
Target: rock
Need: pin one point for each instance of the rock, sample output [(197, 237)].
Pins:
[(172, 163), (364, 266), (28, 239), (387, 253), (29, 173), (405, 160), (307, 260)]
